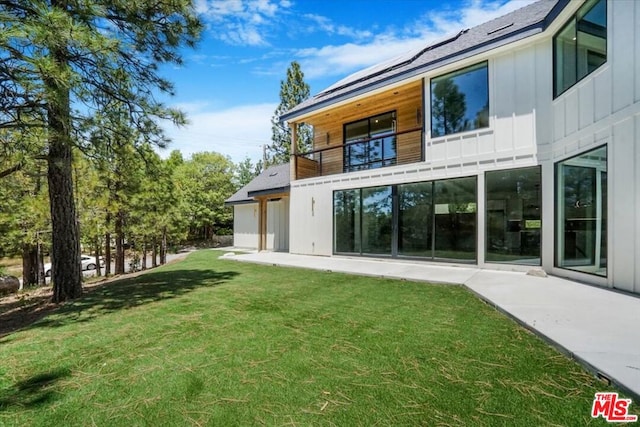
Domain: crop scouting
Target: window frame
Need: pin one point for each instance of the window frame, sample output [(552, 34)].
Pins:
[(460, 71), (486, 217), (558, 231), (574, 20), (394, 250), (346, 151)]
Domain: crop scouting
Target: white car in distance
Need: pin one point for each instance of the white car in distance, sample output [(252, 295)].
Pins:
[(87, 263)]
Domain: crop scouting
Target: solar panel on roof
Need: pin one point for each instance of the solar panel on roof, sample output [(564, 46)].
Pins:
[(398, 61), (373, 69)]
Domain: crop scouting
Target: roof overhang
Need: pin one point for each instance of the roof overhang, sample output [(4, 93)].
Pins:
[(240, 202), (269, 192), (417, 72)]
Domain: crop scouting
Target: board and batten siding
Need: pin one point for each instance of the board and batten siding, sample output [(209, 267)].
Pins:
[(278, 225), (512, 111), (527, 127), (245, 226), (604, 109)]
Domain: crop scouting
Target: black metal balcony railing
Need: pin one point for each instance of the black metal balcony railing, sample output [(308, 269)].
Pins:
[(389, 149)]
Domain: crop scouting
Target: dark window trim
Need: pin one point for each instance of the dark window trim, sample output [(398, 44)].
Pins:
[(333, 219), (574, 20), (347, 145), (395, 225), (556, 222), (486, 62)]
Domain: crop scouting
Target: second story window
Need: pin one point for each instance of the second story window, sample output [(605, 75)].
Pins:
[(460, 101), (370, 143), (580, 46)]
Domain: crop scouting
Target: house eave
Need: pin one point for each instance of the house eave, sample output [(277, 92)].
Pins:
[(239, 202), (269, 191), (410, 73)]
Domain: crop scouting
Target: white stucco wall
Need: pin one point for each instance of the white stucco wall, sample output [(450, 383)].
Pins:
[(245, 226)]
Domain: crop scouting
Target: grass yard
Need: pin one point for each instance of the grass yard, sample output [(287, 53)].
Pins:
[(208, 341)]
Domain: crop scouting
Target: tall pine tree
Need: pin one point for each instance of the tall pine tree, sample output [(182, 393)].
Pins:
[(293, 91), (62, 58)]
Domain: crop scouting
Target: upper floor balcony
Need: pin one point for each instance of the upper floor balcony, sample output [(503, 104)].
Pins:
[(381, 130)]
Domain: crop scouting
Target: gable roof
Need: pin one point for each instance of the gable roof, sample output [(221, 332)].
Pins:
[(509, 28), (273, 180)]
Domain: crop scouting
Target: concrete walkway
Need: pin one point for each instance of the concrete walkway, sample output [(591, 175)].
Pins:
[(600, 328)]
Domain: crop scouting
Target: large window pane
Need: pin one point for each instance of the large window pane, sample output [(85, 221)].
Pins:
[(377, 210), (580, 47), (415, 224), (346, 207), (372, 152), (513, 216), (460, 101), (582, 212), (565, 57), (455, 219)]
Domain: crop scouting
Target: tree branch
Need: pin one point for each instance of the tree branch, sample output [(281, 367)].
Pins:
[(11, 170)]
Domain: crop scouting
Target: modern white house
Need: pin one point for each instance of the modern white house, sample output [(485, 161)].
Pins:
[(509, 145), (261, 211)]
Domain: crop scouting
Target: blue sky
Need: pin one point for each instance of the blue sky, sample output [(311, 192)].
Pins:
[(229, 84)]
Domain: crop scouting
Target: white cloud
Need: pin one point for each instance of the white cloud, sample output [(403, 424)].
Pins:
[(235, 132), (341, 59), (242, 130), (474, 13), (322, 23), (241, 22)]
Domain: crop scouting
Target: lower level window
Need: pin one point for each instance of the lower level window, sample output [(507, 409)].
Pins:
[(513, 216), (435, 220), (346, 218), (581, 212)]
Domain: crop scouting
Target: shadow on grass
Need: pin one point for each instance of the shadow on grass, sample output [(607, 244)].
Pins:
[(32, 392), (122, 294)]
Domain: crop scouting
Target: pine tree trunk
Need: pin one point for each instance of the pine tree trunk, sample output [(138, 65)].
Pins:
[(119, 243), (154, 254), (97, 255), (163, 247), (65, 242), (29, 264), (42, 280), (107, 249)]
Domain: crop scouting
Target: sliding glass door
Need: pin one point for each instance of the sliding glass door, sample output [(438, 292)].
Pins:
[(455, 219), (513, 216), (415, 220), (376, 220), (433, 220)]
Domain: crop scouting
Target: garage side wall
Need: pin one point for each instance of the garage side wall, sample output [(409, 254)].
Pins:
[(245, 226)]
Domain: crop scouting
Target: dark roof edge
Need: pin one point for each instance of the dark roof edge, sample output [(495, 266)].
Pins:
[(537, 28), (554, 12), (268, 191), (240, 202)]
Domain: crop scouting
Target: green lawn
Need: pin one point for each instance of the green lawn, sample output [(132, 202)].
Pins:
[(215, 342)]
